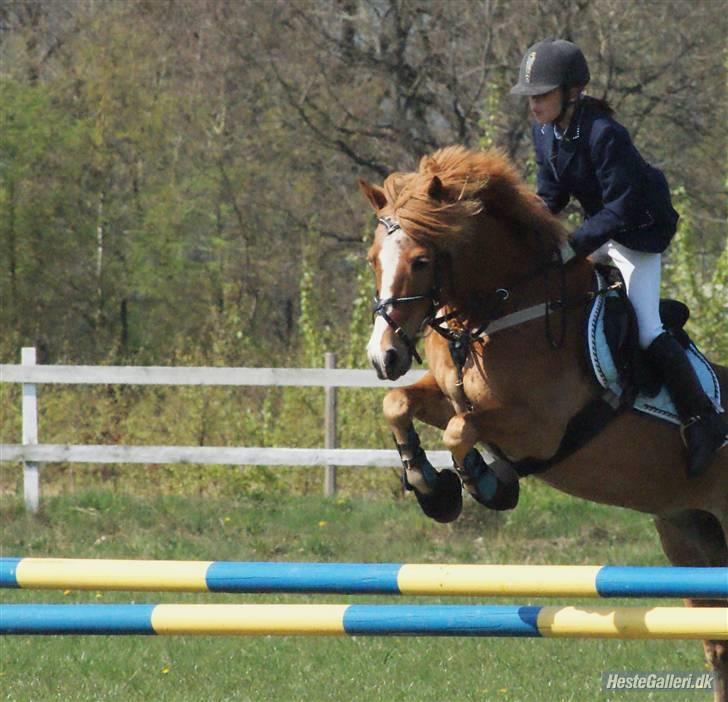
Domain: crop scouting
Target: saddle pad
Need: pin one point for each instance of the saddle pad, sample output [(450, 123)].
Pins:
[(606, 373)]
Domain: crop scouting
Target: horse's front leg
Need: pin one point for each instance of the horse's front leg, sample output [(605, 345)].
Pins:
[(493, 484), (438, 493)]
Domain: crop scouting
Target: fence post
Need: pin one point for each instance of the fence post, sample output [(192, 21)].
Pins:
[(330, 427), (31, 482)]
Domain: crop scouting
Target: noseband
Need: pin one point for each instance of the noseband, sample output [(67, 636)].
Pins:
[(380, 305)]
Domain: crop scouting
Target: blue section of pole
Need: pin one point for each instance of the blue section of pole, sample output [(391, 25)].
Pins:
[(662, 581), (8, 570), (442, 620), (76, 619), (353, 578)]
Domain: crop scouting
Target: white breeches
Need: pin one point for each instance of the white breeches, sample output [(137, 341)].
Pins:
[(641, 273)]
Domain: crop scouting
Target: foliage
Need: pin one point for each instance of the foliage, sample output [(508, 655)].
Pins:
[(177, 186), (162, 167), (701, 281)]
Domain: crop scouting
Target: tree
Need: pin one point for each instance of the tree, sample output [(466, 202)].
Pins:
[(166, 160)]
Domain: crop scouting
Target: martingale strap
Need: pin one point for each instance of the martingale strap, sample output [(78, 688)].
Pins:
[(516, 318), (459, 341)]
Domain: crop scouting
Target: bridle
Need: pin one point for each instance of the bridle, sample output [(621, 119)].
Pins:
[(380, 305), (460, 339)]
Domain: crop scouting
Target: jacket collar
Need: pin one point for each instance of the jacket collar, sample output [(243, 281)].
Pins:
[(565, 147)]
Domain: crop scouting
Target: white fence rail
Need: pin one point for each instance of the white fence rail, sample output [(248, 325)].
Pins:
[(32, 454), (165, 375), (219, 455)]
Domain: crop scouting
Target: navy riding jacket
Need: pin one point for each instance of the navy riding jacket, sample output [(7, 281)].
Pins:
[(624, 197)]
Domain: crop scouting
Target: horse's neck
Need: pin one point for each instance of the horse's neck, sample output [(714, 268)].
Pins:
[(518, 366), (478, 296), (569, 285), (542, 354)]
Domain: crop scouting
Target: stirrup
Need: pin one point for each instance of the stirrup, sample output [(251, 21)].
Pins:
[(706, 441), (686, 425)]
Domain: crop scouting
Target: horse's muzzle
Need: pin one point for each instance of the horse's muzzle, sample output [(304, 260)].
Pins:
[(391, 364)]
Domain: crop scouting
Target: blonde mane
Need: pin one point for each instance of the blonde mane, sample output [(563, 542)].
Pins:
[(471, 183)]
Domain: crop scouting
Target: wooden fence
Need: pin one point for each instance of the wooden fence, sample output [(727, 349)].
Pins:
[(32, 453)]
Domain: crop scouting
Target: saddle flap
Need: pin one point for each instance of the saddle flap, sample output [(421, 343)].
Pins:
[(638, 384)]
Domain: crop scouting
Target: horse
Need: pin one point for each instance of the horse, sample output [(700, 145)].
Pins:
[(466, 256)]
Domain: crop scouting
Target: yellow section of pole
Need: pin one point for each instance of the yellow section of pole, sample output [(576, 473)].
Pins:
[(634, 622), (106, 574), (493, 580), (249, 619)]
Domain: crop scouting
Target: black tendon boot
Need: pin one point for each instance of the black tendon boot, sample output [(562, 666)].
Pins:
[(703, 430)]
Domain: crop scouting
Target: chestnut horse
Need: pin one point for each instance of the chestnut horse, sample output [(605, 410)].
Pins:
[(462, 243)]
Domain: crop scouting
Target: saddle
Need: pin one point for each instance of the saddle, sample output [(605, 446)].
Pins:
[(621, 368)]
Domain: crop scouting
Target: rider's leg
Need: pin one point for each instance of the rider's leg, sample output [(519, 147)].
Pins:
[(641, 272), (703, 430)]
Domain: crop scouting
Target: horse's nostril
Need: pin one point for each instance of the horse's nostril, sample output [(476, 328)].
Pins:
[(390, 359)]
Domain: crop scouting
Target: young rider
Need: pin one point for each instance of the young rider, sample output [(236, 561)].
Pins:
[(582, 152)]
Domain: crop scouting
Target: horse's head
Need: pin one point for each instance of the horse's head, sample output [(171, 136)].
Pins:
[(405, 274), (458, 232)]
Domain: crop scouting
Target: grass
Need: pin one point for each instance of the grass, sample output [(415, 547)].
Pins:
[(546, 528)]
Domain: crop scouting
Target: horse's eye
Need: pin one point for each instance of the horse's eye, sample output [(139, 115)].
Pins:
[(420, 263)]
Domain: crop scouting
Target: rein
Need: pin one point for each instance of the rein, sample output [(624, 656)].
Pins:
[(460, 341)]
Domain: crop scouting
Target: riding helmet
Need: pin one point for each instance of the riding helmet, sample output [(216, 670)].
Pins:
[(549, 64)]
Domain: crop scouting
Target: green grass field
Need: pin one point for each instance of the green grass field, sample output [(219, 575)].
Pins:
[(545, 528)]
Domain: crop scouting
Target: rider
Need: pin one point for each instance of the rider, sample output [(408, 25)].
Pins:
[(581, 151)]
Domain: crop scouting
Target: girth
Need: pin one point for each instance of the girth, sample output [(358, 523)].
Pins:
[(582, 427)]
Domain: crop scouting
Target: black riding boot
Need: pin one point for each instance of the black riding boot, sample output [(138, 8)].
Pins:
[(703, 430)]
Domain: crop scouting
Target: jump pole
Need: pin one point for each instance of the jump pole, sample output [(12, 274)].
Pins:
[(367, 620), (364, 578)]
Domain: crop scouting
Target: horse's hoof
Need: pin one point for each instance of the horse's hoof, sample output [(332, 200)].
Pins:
[(445, 502), (494, 485)]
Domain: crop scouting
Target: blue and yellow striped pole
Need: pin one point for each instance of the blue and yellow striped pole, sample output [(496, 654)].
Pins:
[(365, 620), (364, 578)]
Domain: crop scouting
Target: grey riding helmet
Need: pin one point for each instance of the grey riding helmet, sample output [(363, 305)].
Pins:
[(549, 64)]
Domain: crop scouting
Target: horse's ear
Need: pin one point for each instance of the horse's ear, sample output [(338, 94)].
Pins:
[(374, 194), (435, 189)]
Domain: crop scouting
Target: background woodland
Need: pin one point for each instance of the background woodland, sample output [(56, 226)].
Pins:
[(178, 178)]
